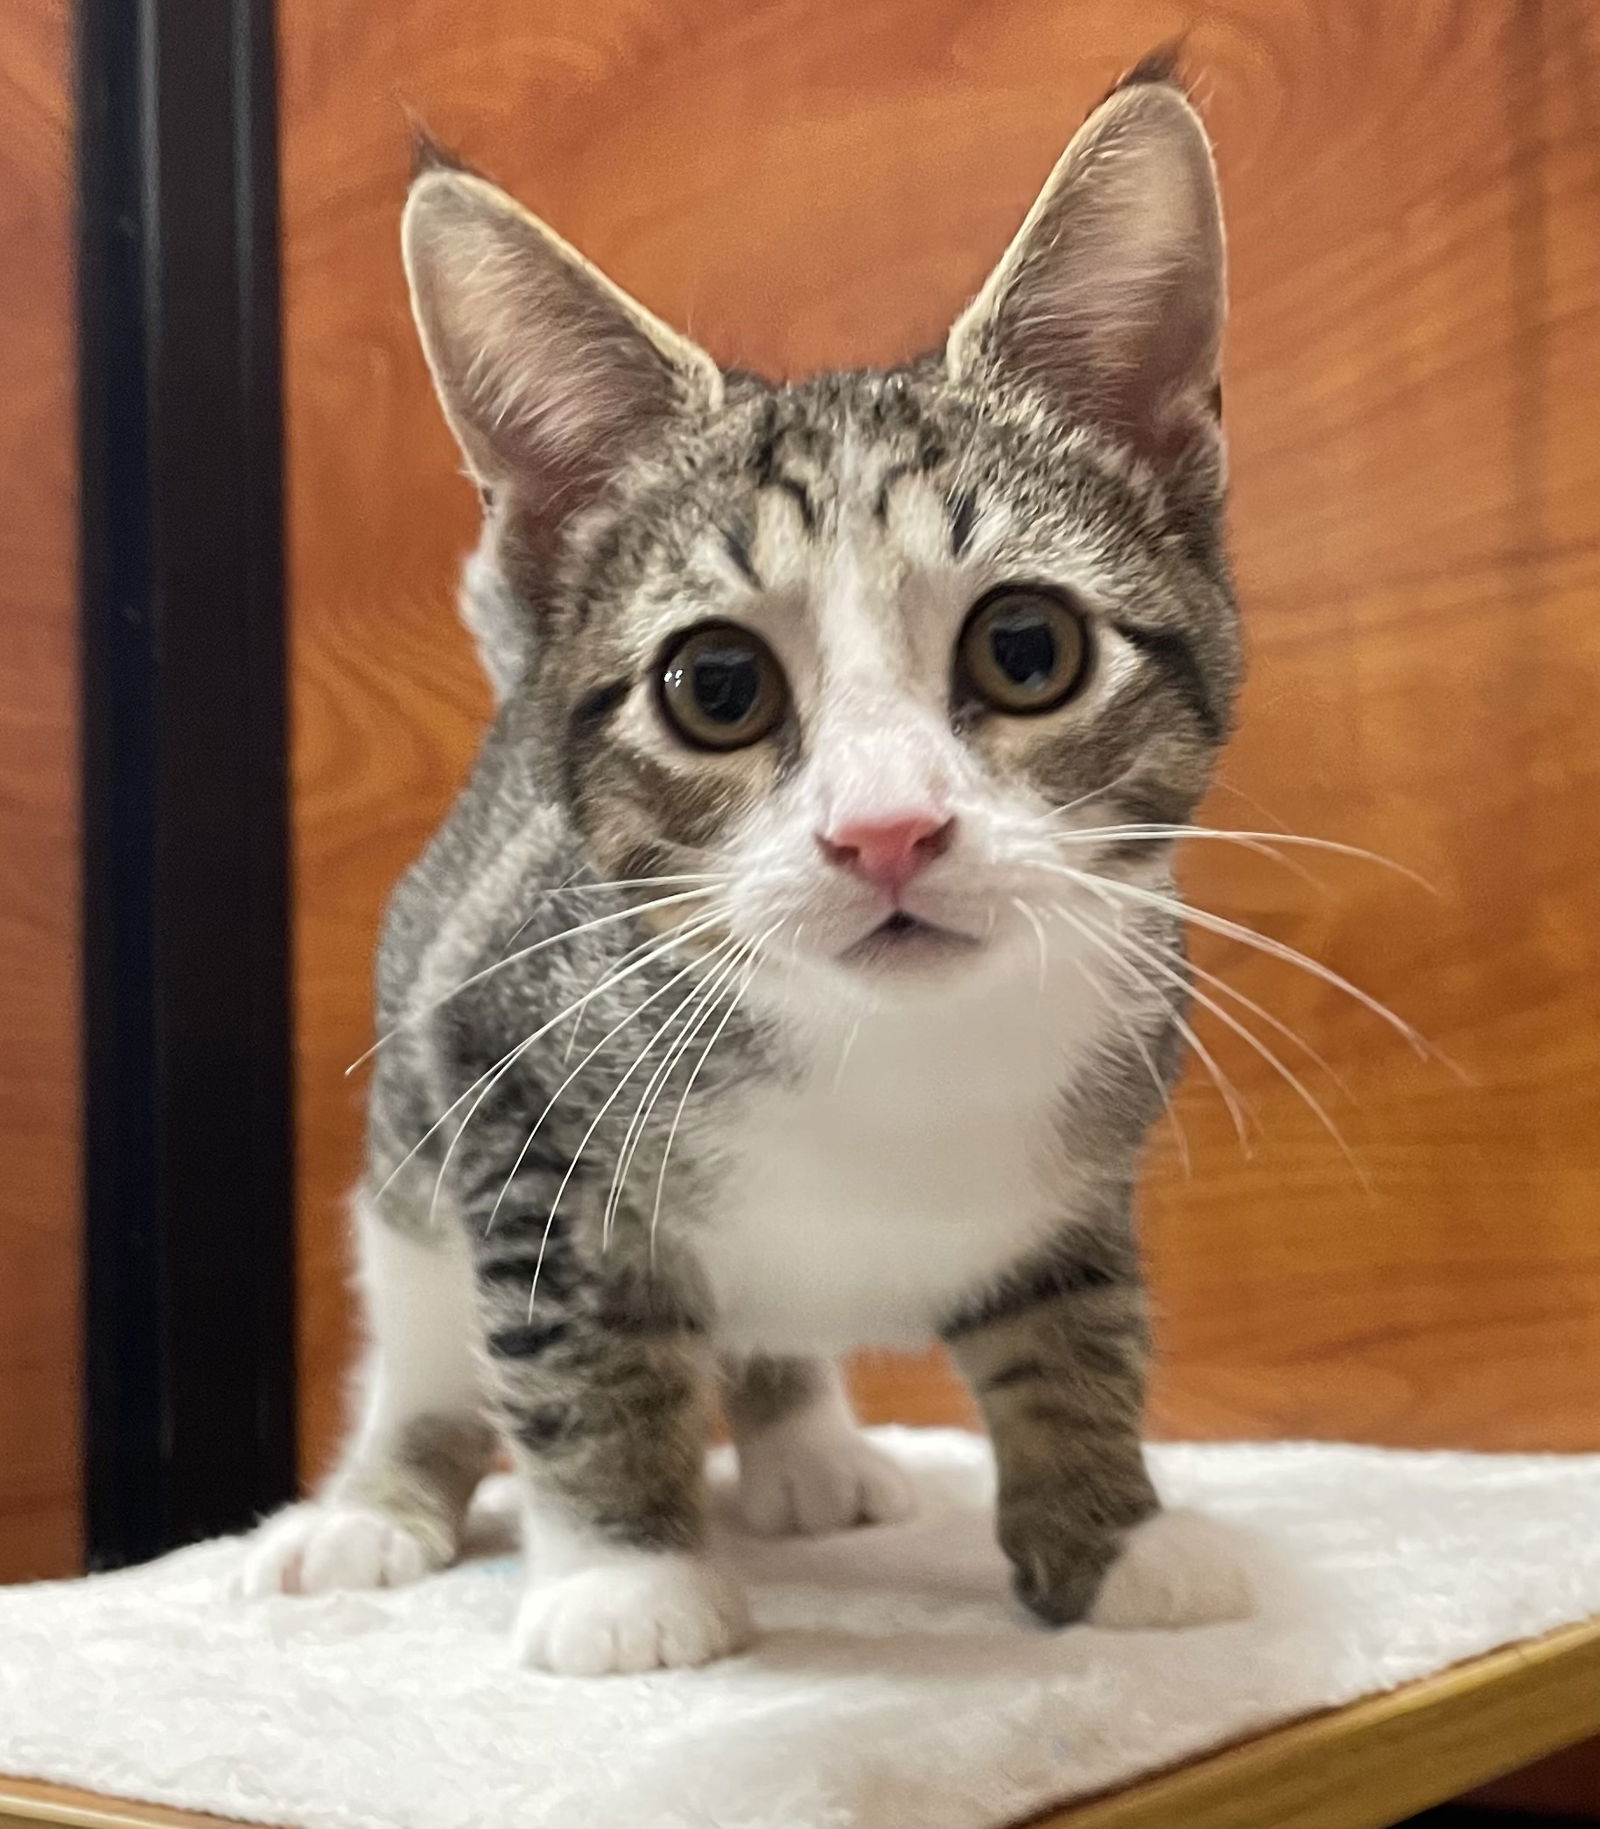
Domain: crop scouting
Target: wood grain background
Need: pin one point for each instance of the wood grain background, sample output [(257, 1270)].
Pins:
[(1414, 204), (39, 1236)]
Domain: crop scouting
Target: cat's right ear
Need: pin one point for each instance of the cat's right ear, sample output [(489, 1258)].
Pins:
[(549, 375)]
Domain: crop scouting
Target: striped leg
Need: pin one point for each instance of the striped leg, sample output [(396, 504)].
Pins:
[(602, 1392), (1056, 1359)]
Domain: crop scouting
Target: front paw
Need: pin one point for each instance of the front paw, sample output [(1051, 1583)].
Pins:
[(319, 1548), (636, 1613), (796, 1484), (1172, 1569), (1177, 1568), (1055, 1571)]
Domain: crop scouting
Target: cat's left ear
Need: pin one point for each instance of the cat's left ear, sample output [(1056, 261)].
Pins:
[(1110, 301), (549, 375)]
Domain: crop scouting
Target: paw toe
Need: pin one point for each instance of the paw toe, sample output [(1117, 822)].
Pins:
[(322, 1549), (654, 1613), (812, 1488), (1178, 1568)]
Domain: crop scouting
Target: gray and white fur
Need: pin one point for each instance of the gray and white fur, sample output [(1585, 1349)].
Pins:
[(830, 1004)]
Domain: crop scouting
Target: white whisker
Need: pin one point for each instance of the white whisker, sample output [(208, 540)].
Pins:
[(610, 1034), (1282, 1028), (1093, 793), (793, 951), (1247, 936), (512, 1055), (1131, 1029), (1248, 1035), (1164, 835), (568, 887), (1264, 843), (633, 1136), (1218, 1078), (1226, 1089), (1033, 921), (601, 884), (627, 958), (588, 1136), (1254, 805), (845, 1052), (705, 1054), (673, 942), (410, 1020), (747, 954)]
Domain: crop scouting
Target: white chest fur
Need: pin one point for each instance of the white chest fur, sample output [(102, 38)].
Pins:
[(915, 1162)]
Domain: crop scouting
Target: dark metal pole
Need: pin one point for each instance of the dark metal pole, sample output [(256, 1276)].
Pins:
[(189, 1381)]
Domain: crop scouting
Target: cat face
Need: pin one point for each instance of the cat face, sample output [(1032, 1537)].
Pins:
[(867, 655)]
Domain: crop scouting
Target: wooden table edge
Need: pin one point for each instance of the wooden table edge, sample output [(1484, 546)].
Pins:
[(1375, 1761), (1366, 1765)]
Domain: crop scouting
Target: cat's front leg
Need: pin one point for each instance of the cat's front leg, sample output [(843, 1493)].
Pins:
[(1055, 1356), (393, 1509), (600, 1386)]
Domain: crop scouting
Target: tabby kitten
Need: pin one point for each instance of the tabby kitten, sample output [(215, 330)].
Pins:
[(798, 968)]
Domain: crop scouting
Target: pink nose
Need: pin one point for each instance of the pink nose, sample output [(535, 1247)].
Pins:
[(888, 853)]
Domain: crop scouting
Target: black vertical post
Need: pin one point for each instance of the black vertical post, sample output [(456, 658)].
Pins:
[(189, 1328)]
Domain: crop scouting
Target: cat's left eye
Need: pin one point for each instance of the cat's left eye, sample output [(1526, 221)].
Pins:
[(1023, 650), (721, 687)]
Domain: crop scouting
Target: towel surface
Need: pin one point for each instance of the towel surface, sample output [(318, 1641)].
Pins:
[(893, 1683)]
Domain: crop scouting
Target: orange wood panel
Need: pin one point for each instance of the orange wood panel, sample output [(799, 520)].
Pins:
[(1414, 202), (39, 1487)]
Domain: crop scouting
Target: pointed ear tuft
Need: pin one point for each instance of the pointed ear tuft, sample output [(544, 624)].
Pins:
[(1110, 301), (550, 375), (431, 154), (1162, 65)]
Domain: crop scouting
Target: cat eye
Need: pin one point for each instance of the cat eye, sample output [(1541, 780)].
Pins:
[(1023, 650), (722, 688)]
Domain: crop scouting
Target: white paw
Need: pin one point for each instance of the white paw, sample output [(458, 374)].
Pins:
[(315, 1549), (647, 1612), (793, 1484), (1178, 1568)]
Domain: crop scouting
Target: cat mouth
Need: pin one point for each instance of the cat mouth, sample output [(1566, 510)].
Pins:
[(905, 941)]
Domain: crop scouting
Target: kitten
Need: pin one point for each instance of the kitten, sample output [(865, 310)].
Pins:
[(798, 969)]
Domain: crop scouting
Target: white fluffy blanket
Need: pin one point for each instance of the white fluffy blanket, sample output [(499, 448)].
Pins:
[(893, 1683)]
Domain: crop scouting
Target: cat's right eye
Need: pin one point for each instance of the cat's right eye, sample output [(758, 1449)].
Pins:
[(721, 687)]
